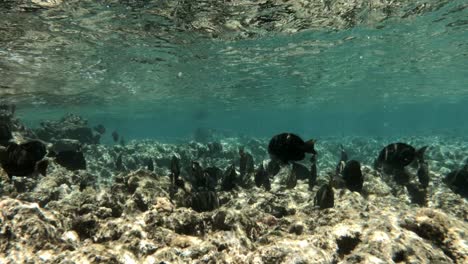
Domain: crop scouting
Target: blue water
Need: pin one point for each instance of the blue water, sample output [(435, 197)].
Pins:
[(400, 76)]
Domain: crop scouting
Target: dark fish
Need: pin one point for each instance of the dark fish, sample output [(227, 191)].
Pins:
[(352, 176), (291, 180), (262, 179), (287, 147), (423, 174), (201, 179), (325, 197), (246, 162), (72, 160), (229, 180), (5, 134), (273, 167), (115, 136), (214, 173), (150, 165), (100, 129), (175, 167), (313, 171), (302, 172), (418, 194), (215, 147), (342, 163), (344, 155), (398, 155), (23, 159), (204, 201), (176, 182), (457, 180), (119, 163)]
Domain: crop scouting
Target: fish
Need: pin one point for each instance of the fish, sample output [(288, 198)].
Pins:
[(71, 160), (246, 162), (398, 155), (423, 174), (352, 176), (115, 136), (291, 180), (325, 197), (287, 147), (24, 159), (214, 173), (176, 182), (175, 167), (119, 163), (302, 172), (273, 167), (342, 163), (457, 181), (5, 134), (203, 201), (150, 165), (261, 178), (418, 194), (229, 180), (313, 171), (201, 179), (100, 129)]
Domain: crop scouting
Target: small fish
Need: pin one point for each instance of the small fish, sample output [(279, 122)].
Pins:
[(201, 179), (313, 171), (119, 163), (72, 160), (176, 182), (204, 201), (325, 197), (457, 180), (398, 155), (418, 194), (100, 129), (423, 174), (24, 159), (115, 136), (262, 179), (287, 147), (291, 180), (302, 172), (215, 174), (150, 164), (246, 162), (352, 175), (273, 167), (342, 163), (175, 167), (229, 180), (215, 147), (5, 134)]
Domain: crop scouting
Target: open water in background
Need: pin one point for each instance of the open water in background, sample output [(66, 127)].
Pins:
[(128, 71)]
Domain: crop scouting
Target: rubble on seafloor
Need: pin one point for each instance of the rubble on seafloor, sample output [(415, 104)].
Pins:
[(131, 214)]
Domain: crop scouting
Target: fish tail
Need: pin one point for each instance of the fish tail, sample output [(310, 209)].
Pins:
[(309, 146), (420, 153), (41, 167)]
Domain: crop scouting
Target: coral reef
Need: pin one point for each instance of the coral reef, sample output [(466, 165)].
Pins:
[(105, 215)]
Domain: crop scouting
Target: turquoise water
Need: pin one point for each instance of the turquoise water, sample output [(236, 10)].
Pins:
[(122, 65)]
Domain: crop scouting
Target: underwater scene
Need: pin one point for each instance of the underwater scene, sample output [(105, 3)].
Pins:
[(233, 131)]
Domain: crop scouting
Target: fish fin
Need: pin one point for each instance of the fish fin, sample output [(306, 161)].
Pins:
[(41, 167), (309, 146), (420, 153)]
